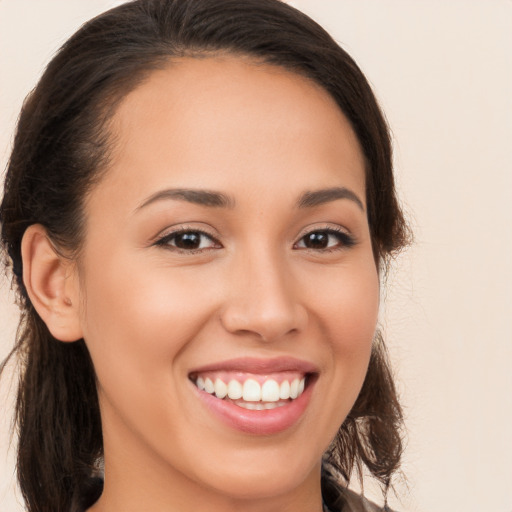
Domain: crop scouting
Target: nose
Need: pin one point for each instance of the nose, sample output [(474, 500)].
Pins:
[(263, 300)]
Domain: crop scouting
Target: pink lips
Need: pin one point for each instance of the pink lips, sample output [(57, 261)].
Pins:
[(263, 422), (260, 366)]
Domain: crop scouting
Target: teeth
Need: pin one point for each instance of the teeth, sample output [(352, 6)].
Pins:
[(208, 385), (221, 390), (270, 391), (234, 390), (252, 391), (200, 383), (270, 394), (294, 388), (255, 406), (284, 390), (252, 406)]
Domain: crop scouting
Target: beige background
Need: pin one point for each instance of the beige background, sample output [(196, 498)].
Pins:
[(442, 70)]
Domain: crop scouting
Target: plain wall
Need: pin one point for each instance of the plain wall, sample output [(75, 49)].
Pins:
[(442, 71)]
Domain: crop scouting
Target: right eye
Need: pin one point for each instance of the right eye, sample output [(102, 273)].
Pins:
[(188, 240)]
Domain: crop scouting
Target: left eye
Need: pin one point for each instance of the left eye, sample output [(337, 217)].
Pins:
[(188, 241), (325, 239)]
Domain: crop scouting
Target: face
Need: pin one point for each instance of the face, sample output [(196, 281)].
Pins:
[(227, 248)]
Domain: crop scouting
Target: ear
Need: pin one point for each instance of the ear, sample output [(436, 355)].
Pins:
[(52, 282)]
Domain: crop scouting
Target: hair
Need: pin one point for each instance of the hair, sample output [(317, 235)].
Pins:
[(61, 149)]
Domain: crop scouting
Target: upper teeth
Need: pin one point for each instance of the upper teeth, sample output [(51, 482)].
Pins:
[(251, 390)]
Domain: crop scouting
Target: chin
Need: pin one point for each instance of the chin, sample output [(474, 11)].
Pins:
[(260, 481)]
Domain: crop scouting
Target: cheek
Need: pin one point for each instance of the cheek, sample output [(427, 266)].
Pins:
[(359, 308), (137, 326), (346, 302), (136, 330), (134, 299), (347, 309)]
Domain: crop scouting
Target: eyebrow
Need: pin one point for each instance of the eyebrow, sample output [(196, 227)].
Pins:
[(212, 199), (201, 197), (326, 195)]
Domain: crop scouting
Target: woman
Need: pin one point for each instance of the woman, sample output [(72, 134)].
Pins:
[(197, 209)]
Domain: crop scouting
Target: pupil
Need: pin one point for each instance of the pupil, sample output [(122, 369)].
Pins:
[(317, 240), (188, 240)]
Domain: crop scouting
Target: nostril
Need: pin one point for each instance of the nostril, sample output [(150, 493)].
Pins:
[(264, 326)]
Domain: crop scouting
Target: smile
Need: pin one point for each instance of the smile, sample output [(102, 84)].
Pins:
[(256, 396), (250, 391)]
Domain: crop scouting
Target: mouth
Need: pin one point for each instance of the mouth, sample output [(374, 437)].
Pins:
[(256, 396), (253, 391)]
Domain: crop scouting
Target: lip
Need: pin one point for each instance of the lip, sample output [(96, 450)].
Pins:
[(265, 422), (259, 366)]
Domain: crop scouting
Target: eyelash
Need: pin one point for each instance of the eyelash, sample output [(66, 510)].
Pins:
[(165, 240), (345, 241)]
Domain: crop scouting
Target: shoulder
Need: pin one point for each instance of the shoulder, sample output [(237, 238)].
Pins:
[(357, 503), (340, 498)]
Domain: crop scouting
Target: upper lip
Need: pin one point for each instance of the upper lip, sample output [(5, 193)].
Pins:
[(259, 365)]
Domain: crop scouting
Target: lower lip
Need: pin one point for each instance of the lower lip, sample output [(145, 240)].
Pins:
[(268, 421)]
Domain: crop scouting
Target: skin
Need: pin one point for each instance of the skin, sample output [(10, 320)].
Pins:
[(151, 313)]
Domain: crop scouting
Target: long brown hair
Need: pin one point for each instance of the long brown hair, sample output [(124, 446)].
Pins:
[(62, 147)]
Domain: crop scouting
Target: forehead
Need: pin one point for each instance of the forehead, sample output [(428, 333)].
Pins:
[(219, 120)]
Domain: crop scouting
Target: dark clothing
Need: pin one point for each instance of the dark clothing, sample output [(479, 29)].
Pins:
[(340, 499)]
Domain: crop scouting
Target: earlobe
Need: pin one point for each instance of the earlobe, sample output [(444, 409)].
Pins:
[(51, 283)]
